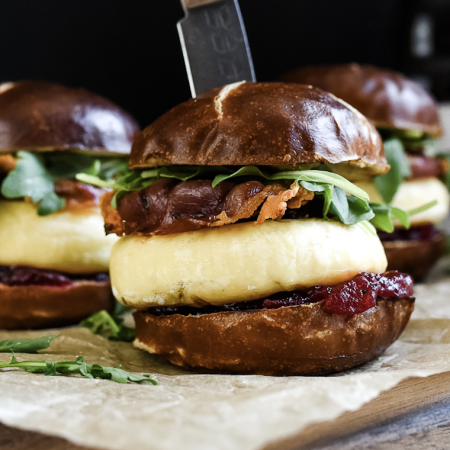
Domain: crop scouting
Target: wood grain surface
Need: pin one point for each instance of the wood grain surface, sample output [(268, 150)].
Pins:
[(411, 400), (15, 439), (414, 415)]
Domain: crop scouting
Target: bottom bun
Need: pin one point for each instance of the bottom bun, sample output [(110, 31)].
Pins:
[(31, 307), (414, 257), (295, 340)]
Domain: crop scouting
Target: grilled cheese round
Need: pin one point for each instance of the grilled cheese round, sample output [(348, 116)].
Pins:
[(241, 262)]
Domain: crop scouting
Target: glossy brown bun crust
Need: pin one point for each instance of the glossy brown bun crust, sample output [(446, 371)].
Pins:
[(32, 307), (414, 257), (260, 124), (386, 98), (296, 340), (41, 116)]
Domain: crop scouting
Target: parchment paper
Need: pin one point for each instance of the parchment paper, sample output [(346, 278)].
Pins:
[(192, 411)]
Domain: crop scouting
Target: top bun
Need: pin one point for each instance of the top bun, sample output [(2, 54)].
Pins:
[(261, 124), (386, 98), (41, 116)]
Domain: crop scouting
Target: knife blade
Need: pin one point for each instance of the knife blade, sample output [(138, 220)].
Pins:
[(214, 44)]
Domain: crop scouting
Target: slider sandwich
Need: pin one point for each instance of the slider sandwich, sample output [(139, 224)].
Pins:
[(407, 117), (54, 255), (242, 248)]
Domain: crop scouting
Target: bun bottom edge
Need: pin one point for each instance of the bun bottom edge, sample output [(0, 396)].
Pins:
[(414, 257), (297, 340), (37, 307)]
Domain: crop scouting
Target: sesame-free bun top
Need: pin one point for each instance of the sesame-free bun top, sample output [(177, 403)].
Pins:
[(41, 116), (388, 99), (273, 124)]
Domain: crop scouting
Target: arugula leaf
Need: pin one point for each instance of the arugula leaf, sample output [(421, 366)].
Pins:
[(313, 176), (383, 217), (110, 327), (318, 176), (385, 214), (96, 181), (403, 216), (50, 203), (34, 175), (322, 189), (26, 345), (350, 209), (120, 310), (388, 184), (30, 178), (412, 140), (183, 173), (243, 171), (62, 165), (111, 167), (422, 208), (77, 367)]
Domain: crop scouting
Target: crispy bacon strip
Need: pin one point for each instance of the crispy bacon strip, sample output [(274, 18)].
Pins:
[(302, 197), (79, 196), (275, 206), (7, 163), (275, 198), (166, 207), (249, 207), (113, 221)]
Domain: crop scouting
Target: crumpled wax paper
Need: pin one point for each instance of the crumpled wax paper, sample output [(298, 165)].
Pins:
[(200, 412)]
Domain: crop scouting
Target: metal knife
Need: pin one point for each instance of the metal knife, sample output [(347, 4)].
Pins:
[(214, 43)]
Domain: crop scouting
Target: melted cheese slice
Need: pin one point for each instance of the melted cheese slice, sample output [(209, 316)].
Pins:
[(241, 262), (415, 193), (67, 241)]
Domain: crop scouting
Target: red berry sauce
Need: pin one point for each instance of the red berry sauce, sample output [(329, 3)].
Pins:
[(32, 276), (348, 298)]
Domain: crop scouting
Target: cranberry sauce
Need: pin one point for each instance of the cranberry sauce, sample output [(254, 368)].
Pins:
[(350, 297), (32, 276), (424, 233)]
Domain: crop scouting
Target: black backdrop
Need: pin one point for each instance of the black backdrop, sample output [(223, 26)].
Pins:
[(129, 50)]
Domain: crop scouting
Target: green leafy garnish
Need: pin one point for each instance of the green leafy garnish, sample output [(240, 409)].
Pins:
[(385, 214), (388, 184), (77, 367), (26, 345), (345, 201), (135, 180), (35, 174), (412, 140), (110, 326), (30, 178), (342, 200), (422, 208), (311, 176), (350, 209)]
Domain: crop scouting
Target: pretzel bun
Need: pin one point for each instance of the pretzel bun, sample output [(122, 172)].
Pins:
[(388, 99), (41, 116), (414, 257), (31, 307), (261, 124), (295, 340)]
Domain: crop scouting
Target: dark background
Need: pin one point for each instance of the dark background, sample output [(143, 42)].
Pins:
[(129, 50)]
